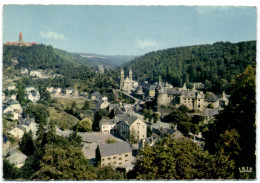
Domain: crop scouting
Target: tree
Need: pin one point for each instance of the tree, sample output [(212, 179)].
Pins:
[(108, 173), (27, 145), (10, 172), (84, 125), (156, 117), (64, 164), (97, 117), (132, 137), (37, 111), (172, 159), (234, 130), (86, 105)]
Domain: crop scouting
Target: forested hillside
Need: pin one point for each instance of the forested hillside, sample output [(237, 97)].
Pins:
[(214, 65), (69, 66)]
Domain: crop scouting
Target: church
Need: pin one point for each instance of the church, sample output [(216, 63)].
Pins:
[(127, 84)]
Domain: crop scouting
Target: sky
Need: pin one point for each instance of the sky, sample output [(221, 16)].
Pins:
[(127, 30)]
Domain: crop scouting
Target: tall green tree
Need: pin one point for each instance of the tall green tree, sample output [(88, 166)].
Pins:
[(64, 164), (27, 145), (172, 159), (234, 130)]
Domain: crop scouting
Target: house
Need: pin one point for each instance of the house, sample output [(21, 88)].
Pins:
[(6, 145), (108, 125), (17, 132), (212, 99), (24, 71), (56, 91), (127, 108), (83, 94), (29, 124), (11, 87), (26, 125), (69, 91), (149, 141), (115, 108), (50, 89), (131, 125), (36, 73), (32, 94), (95, 95), (12, 109), (223, 101), (102, 104), (17, 158), (117, 154)]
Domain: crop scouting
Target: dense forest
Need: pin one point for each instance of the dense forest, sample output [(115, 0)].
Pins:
[(214, 65)]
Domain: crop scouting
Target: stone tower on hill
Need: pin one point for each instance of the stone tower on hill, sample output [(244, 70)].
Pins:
[(20, 38)]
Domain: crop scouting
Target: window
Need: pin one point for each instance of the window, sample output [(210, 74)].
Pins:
[(109, 163), (120, 158), (114, 157), (114, 162), (126, 155), (126, 160), (120, 163), (103, 159), (109, 158)]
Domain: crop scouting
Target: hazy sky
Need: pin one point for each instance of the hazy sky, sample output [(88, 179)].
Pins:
[(127, 30)]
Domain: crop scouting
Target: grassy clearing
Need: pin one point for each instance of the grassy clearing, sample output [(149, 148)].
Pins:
[(65, 120)]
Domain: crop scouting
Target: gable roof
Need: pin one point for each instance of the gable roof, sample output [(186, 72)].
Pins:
[(17, 158), (129, 119), (27, 121), (115, 148), (212, 98)]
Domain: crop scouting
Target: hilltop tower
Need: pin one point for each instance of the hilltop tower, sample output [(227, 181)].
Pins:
[(20, 38), (130, 73), (122, 79)]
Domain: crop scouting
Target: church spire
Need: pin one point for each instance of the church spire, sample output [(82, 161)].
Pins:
[(130, 73)]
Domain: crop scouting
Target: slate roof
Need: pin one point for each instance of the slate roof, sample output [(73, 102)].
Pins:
[(33, 92), (129, 119), (114, 149), (5, 139), (27, 121), (212, 98), (11, 102)]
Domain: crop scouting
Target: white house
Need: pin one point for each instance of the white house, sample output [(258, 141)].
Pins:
[(24, 71), (50, 89), (12, 108), (102, 105), (130, 124), (108, 126), (17, 132), (11, 87), (29, 124), (17, 158), (32, 94)]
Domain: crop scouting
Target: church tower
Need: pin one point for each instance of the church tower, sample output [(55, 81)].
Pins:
[(20, 38), (130, 74), (122, 79)]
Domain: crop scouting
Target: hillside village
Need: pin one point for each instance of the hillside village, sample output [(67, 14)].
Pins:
[(129, 128), (110, 119)]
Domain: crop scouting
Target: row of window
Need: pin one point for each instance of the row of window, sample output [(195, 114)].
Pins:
[(103, 159), (115, 163)]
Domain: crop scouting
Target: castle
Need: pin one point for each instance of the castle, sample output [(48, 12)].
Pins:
[(20, 42)]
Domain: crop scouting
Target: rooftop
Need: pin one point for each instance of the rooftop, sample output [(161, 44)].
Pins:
[(115, 148)]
